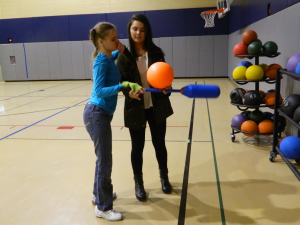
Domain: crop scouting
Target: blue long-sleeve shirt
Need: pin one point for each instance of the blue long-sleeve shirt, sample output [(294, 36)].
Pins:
[(106, 78)]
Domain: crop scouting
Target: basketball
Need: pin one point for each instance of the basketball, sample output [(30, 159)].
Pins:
[(266, 126), (239, 73), (270, 48), (249, 36), (249, 126), (271, 70), (290, 147), (240, 49), (160, 75), (254, 72)]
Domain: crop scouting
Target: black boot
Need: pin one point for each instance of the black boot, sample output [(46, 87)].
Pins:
[(164, 179), (139, 188)]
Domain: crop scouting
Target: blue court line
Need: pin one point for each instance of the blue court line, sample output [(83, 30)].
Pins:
[(41, 120), (25, 60)]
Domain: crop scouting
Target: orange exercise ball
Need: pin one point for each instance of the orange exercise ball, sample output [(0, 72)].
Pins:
[(270, 99), (271, 70), (249, 126), (160, 75), (240, 49), (249, 36), (266, 126)]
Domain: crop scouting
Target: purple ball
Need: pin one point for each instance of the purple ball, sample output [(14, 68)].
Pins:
[(293, 62), (237, 121)]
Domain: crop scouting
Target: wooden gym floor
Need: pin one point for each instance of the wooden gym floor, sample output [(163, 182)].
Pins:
[(47, 163)]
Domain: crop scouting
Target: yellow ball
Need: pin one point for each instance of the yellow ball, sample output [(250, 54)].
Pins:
[(264, 67), (254, 73), (239, 73)]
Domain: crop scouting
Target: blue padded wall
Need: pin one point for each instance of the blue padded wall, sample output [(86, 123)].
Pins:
[(120, 20), (50, 29), (80, 25), (246, 12), (169, 23)]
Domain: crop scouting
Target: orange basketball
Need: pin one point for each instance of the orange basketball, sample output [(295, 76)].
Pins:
[(160, 75), (270, 100), (271, 70), (240, 49), (249, 36), (265, 126), (249, 126)]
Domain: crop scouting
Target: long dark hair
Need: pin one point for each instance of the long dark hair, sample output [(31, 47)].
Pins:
[(148, 43)]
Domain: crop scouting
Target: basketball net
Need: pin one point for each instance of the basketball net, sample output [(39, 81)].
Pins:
[(209, 16)]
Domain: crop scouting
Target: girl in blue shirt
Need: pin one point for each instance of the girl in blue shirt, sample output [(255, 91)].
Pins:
[(99, 111)]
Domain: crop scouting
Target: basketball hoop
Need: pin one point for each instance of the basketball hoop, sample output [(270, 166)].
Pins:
[(209, 16)]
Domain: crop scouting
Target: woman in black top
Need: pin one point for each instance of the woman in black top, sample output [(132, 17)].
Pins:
[(151, 107)]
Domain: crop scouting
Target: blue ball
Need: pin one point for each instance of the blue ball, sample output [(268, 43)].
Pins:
[(290, 147), (267, 115), (297, 70), (245, 64)]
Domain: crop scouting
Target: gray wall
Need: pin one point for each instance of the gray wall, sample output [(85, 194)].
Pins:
[(282, 28), (196, 56)]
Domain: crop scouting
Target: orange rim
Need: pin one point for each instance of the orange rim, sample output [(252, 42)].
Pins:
[(213, 11)]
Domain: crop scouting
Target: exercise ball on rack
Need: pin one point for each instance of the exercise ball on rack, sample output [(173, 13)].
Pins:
[(254, 72), (281, 123), (296, 116), (257, 116), (292, 63), (270, 100), (237, 121), (245, 64), (254, 48), (290, 104), (266, 126), (270, 48), (236, 95), (267, 115), (269, 91), (290, 147), (249, 126), (246, 114), (297, 70), (240, 49), (262, 94), (239, 73), (271, 70), (249, 36), (264, 67), (252, 98)]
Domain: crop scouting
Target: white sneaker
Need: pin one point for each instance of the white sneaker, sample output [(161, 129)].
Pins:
[(94, 198), (110, 215)]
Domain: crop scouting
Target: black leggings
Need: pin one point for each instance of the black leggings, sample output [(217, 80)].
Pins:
[(158, 133)]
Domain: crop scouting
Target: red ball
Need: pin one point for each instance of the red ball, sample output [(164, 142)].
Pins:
[(240, 49), (160, 75), (249, 36)]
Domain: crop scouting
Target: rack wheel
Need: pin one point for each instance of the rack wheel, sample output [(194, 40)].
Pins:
[(273, 156), (232, 137), (297, 161)]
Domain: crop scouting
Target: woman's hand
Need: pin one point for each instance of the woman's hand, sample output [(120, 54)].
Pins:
[(136, 95), (121, 47), (164, 90)]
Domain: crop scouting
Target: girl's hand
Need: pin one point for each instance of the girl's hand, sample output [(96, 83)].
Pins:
[(136, 95), (121, 47)]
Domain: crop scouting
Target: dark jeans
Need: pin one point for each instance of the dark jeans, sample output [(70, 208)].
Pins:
[(97, 123), (158, 133)]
